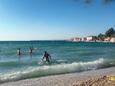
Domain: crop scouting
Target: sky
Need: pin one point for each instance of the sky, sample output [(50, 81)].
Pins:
[(53, 19)]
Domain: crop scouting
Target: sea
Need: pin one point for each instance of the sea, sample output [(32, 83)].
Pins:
[(66, 57)]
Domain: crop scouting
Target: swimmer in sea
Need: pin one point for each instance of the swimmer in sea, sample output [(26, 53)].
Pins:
[(18, 52), (30, 51), (46, 56)]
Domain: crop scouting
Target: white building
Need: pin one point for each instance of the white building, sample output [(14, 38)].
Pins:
[(90, 38), (107, 39), (76, 39), (83, 39), (112, 39)]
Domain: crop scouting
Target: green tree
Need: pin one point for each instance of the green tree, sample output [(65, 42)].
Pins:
[(110, 32), (101, 36)]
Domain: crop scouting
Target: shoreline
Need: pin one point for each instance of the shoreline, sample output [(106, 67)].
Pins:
[(63, 79), (92, 42)]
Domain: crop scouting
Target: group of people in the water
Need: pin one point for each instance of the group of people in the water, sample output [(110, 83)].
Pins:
[(19, 51), (46, 55)]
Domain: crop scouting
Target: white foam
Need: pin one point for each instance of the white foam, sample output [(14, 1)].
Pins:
[(51, 69)]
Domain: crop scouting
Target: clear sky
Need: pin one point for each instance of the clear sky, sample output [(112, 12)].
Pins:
[(53, 19)]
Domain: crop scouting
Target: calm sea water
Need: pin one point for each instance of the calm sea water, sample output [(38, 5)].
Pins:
[(66, 57)]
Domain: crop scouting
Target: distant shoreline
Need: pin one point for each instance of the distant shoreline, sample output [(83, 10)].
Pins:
[(90, 42), (59, 41)]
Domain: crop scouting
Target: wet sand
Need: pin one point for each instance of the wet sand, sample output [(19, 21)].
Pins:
[(88, 78)]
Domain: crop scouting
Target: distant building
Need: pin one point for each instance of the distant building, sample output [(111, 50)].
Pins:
[(107, 39), (76, 39), (83, 39), (112, 39), (90, 38)]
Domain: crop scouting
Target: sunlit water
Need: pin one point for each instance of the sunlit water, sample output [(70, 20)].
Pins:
[(67, 57)]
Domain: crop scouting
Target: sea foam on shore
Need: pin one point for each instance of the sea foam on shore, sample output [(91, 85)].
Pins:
[(65, 79), (39, 71)]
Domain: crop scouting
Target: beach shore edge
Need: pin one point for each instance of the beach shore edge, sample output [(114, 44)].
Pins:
[(71, 79)]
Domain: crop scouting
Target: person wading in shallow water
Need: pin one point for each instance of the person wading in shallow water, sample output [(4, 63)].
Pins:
[(46, 56), (30, 51), (18, 52)]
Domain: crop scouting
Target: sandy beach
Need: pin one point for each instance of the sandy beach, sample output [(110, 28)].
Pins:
[(87, 78)]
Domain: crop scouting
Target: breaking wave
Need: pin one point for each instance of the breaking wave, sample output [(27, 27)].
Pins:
[(44, 70)]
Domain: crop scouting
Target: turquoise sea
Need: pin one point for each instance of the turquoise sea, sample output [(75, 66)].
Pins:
[(67, 57)]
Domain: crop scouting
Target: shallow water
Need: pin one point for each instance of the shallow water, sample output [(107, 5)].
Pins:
[(66, 57)]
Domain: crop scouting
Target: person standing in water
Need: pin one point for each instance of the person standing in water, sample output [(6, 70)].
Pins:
[(18, 52), (46, 56), (30, 51)]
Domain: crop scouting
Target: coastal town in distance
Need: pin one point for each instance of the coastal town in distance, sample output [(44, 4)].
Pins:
[(108, 36)]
